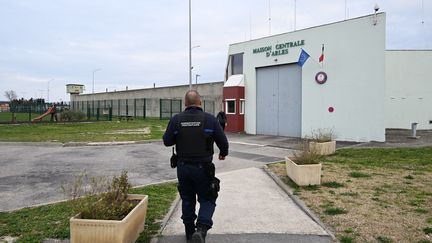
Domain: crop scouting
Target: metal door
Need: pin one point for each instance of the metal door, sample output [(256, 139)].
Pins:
[(267, 101), (289, 101), (279, 100)]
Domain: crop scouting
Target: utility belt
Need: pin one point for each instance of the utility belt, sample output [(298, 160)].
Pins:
[(214, 184)]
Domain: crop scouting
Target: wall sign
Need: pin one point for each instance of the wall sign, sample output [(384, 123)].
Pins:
[(321, 77), (278, 49)]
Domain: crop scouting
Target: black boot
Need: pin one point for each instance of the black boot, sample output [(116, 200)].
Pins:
[(200, 234), (189, 229)]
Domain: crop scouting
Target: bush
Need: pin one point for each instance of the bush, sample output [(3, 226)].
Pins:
[(99, 198), (306, 156), (322, 135), (69, 115)]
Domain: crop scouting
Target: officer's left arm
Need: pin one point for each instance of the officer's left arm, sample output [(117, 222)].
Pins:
[(169, 135)]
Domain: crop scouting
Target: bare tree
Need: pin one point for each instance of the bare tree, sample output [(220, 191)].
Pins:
[(10, 95)]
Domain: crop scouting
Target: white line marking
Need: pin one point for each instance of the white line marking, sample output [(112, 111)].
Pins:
[(251, 144)]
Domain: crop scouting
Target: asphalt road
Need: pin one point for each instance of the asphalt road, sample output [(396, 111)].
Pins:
[(31, 174)]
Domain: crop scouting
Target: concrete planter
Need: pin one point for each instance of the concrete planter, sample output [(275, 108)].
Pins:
[(303, 175), (323, 148), (107, 231)]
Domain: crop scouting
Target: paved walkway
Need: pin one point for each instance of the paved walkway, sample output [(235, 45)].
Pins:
[(252, 208)]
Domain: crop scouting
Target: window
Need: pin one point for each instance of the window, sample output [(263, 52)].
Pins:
[(230, 107), (242, 106), (237, 64)]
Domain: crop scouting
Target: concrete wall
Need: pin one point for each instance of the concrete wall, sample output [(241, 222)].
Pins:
[(355, 65), (409, 89), (208, 91)]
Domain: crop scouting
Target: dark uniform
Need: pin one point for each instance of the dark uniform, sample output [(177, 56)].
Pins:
[(194, 133)]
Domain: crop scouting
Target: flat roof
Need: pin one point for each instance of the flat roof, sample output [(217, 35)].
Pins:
[(317, 26), (162, 87)]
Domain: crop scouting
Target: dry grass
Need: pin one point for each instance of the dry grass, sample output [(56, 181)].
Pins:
[(381, 205)]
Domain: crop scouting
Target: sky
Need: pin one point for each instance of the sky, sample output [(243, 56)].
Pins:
[(47, 44)]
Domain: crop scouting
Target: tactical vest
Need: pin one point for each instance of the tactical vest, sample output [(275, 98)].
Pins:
[(191, 139)]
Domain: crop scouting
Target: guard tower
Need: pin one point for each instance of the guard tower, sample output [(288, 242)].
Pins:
[(74, 89)]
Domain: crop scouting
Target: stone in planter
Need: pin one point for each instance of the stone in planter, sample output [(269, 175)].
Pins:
[(323, 148), (126, 230), (303, 175)]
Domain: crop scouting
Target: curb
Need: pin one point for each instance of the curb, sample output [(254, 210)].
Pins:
[(80, 144), (43, 144), (65, 200), (77, 144), (298, 202), (167, 217)]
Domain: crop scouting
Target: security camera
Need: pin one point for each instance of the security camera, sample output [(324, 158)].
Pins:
[(376, 7)]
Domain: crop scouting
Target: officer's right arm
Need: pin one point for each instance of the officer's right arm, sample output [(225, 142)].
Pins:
[(169, 135)]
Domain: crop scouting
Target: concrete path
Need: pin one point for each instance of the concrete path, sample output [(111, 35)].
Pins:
[(252, 208)]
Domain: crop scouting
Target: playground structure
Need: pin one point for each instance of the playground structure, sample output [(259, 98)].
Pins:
[(27, 112), (51, 111)]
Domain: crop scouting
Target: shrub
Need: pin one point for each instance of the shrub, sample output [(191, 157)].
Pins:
[(305, 156), (69, 115), (322, 135), (100, 198)]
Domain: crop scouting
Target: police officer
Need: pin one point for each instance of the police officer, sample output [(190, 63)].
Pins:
[(194, 133)]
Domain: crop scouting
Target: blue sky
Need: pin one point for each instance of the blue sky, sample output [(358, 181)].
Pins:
[(136, 43)]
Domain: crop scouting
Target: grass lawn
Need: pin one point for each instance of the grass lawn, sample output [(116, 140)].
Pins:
[(373, 195), (20, 117), (103, 131), (52, 221)]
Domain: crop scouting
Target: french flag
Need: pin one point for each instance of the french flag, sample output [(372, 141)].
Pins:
[(321, 58)]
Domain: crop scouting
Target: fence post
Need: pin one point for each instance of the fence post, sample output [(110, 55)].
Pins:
[(88, 113), (29, 111), (135, 108), (97, 114), (160, 109), (110, 114), (127, 107), (144, 108), (118, 108)]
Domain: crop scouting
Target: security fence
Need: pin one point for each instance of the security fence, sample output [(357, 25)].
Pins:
[(27, 112), (136, 108), (95, 110)]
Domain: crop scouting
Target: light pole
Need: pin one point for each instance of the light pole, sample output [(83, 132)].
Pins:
[(191, 67), (190, 47), (48, 89), (93, 78), (196, 81)]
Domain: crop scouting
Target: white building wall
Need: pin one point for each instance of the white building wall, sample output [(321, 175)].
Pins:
[(409, 89), (355, 65)]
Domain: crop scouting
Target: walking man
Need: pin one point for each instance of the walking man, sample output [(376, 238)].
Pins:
[(193, 132), (221, 117)]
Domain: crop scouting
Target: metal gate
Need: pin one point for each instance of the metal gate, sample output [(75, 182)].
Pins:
[(168, 108), (279, 100)]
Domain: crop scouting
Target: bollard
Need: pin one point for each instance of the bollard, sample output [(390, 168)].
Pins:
[(414, 130)]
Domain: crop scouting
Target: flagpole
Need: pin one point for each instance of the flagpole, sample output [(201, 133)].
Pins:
[(295, 15)]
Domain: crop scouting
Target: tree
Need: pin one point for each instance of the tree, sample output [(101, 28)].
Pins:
[(10, 95)]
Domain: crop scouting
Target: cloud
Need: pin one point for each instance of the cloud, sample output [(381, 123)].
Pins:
[(138, 43)]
